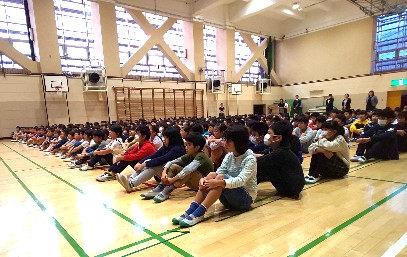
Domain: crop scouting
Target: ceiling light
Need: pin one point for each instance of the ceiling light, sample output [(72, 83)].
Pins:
[(296, 5), (289, 12)]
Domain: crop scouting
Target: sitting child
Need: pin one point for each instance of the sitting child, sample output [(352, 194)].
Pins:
[(330, 155), (234, 183), (187, 169)]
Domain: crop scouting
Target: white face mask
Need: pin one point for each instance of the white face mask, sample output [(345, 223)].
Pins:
[(382, 123), (266, 139), (161, 129), (252, 139), (323, 133)]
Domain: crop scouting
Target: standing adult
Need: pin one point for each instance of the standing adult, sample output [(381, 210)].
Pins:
[(297, 104), (221, 111), (329, 103), (346, 102), (371, 101), (281, 105)]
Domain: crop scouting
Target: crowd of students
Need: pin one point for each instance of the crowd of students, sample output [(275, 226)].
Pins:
[(224, 158)]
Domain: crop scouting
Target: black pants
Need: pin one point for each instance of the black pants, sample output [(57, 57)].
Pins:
[(377, 150), (102, 159), (328, 168)]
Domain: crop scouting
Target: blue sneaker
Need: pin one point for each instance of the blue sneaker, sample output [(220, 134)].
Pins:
[(190, 221)]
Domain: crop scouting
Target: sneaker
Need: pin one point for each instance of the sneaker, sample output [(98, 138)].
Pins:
[(106, 177), (75, 166), (58, 154), (176, 221), (311, 180), (161, 197), (355, 158), (62, 156), (30, 145), (190, 221), (67, 160), (362, 159), (86, 167), (124, 181), (13, 140), (149, 195)]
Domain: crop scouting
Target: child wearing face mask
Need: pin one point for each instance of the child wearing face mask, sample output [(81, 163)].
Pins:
[(281, 166), (259, 130), (330, 155), (380, 141)]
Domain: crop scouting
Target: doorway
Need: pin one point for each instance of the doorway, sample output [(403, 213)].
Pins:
[(259, 109)]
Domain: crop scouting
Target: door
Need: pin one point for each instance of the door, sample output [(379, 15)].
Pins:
[(259, 109)]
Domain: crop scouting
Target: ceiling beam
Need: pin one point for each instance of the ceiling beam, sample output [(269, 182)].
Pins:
[(205, 5), (239, 11)]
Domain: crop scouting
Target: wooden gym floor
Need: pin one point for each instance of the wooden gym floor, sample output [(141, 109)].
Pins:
[(47, 209)]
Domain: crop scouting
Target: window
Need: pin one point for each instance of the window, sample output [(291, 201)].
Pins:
[(131, 37), (243, 53), (75, 34), (13, 27), (211, 66), (391, 43)]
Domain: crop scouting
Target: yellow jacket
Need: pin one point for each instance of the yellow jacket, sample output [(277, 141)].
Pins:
[(358, 125)]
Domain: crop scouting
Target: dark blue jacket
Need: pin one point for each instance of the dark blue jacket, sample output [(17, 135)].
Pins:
[(164, 155), (386, 134)]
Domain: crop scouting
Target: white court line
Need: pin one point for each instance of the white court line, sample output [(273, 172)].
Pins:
[(397, 247)]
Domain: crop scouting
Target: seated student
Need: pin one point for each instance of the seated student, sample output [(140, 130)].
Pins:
[(330, 155), (63, 139), (215, 145), (234, 183), (98, 144), (37, 138), (319, 131), (16, 134), (380, 141), (153, 165), (143, 148), (53, 141), (341, 119), (281, 166), (154, 138), (349, 118), (402, 131), (113, 148), (373, 122), (187, 169), (357, 126), (65, 148), (259, 130), (49, 137), (312, 120), (304, 133), (77, 147)]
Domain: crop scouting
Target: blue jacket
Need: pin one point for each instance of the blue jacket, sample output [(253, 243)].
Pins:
[(164, 155)]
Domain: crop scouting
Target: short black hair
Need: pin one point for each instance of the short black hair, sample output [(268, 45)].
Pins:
[(154, 128), (173, 135), (196, 139), (116, 128), (334, 125), (260, 128), (197, 128), (314, 114), (99, 133), (144, 131), (402, 115), (89, 133), (386, 113), (303, 118), (240, 137), (282, 128), (320, 118), (341, 117)]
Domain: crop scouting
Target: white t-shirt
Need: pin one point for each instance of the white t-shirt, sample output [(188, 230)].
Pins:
[(157, 142), (116, 145)]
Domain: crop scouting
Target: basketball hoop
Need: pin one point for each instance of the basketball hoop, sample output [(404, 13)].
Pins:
[(58, 91)]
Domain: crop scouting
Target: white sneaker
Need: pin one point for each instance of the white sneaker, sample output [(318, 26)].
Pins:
[(355, 158), (190, 221), (86, 167), (362, 159)]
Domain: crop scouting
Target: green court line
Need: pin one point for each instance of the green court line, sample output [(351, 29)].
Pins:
[(377, 179), (345, 224), (124, 217), (142, 241), (56, 223), (147, 247)]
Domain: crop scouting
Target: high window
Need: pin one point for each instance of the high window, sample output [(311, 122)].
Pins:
[(13, 28), (391, 43), (243, 53), (210, 50), (75, 35), (131, 37)]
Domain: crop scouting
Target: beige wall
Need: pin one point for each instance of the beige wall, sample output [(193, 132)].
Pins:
[(340, 51)]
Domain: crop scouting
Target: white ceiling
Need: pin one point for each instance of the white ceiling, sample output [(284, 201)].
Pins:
[(263, 17)]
